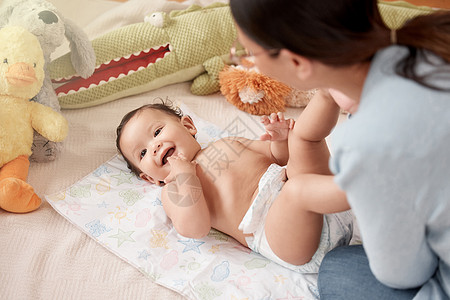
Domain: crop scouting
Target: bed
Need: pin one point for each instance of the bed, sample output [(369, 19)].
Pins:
[(45, 254)]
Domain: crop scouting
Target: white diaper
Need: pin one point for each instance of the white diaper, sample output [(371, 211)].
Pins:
[(337, 228)]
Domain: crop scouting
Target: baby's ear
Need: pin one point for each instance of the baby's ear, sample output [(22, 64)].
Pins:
[(149, 179), (189, 125)]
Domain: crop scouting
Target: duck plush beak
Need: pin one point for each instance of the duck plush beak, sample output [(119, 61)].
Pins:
[(21, 74)]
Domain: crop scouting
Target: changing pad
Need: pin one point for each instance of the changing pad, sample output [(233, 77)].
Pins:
[(124, 214)]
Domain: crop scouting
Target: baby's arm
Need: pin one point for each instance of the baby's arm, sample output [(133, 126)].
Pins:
[(277, 132), (274, 142), (184, 201)]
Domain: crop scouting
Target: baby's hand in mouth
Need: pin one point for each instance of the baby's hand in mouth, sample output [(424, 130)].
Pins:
[(179, 165)]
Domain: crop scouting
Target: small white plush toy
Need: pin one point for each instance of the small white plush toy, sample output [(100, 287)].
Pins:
[(42, 19)]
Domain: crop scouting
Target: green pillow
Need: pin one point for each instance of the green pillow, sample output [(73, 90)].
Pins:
[(396, 13), (191, 44)]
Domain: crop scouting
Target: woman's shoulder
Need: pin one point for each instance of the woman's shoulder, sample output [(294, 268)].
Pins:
[(427, 65), (398, 102)]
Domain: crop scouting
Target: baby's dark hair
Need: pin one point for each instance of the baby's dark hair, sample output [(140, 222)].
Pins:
[(165, 106)]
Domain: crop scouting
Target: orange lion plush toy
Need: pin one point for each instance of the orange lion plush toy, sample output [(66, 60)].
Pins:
[(258, 94)]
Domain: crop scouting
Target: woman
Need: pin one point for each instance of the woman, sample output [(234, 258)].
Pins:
[(392, 156)]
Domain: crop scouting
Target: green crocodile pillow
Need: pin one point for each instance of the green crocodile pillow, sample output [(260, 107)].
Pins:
[(191, 44), (398, 12)]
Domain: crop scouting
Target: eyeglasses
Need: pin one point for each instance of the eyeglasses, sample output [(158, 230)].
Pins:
[(241, 56)]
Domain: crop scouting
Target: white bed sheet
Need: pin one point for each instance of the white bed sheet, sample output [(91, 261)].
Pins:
[(125, 215)]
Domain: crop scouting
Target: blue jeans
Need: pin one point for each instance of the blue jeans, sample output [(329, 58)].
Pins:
[(345, 274)]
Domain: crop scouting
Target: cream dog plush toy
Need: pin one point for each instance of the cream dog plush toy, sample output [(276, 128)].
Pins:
[(21, 77)]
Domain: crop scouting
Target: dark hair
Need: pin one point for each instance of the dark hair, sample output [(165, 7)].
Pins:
[(165, 106), (341, 32)]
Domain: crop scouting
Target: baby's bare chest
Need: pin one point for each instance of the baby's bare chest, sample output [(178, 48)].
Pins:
[(222, 159), (230, 173)]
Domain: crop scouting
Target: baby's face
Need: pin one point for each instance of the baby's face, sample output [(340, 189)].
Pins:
[(151, 136)]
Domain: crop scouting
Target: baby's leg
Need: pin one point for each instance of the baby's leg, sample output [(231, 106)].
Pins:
[(294, 221), (306, 157), (292, 231), (308, 151)]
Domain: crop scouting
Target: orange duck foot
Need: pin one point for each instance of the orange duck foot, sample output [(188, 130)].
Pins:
[(18, 196)]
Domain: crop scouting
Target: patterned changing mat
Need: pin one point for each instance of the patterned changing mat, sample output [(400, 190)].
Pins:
[(125, 215)]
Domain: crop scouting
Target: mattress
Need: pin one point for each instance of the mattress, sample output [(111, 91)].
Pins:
[(44, 256)]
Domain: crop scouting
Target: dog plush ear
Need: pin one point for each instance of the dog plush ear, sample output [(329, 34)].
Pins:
[(82, 52)]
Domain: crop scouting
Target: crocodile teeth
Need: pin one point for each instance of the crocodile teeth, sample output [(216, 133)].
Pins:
[(137, 61)]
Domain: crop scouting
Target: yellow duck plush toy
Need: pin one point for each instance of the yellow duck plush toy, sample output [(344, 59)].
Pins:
[(21, 77)]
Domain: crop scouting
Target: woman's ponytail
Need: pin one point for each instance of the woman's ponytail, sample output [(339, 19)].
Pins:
[(425, 33), (429, 32)]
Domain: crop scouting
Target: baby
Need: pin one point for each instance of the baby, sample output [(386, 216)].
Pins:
[(284, 213)]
